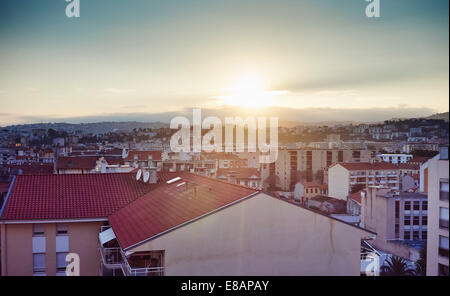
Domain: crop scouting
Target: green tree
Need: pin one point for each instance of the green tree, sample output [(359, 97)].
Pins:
[(397, 266)]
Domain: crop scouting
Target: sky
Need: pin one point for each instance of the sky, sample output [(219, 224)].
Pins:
[(300, 60)]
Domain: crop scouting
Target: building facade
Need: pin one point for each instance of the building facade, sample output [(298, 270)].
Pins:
[(438, 234)]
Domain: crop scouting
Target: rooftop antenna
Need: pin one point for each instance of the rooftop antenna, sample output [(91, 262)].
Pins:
[(146, 176), (138, 174)]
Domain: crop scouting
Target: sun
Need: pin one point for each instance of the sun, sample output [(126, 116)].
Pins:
[(248, 91)]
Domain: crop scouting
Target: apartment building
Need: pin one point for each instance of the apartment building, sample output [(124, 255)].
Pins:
[(343, 178), (399, 218), (178, 224), (45, 217), (295, 165), (438, 234), (396, 158), (202, 167), (144, 159)]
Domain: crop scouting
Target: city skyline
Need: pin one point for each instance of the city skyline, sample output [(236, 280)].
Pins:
[(301, 60)]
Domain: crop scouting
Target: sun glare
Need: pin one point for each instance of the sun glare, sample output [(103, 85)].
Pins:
[(248, 91)]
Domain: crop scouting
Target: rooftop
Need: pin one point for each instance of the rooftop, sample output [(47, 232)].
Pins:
[(74, 196), (143, 155), (76, 162), (171, 205), (366, 166)]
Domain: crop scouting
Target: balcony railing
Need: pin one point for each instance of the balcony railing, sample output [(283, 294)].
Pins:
[(111, 257), (443, 223), (114, 258), (141, 271)]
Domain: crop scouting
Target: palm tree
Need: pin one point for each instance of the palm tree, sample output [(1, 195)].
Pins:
[(421, 263), (397, 266)]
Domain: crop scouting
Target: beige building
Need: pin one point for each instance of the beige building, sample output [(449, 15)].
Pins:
[(295, 165), (400, 220), (254, 246), (179, 224), (40, 248), (344, 177), (438, 235)]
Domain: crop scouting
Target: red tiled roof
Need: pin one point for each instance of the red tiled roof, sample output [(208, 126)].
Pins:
[(112, 160), (364, 166), (240, 173), (32, 168), (144, 155), (170, 205), (76, 162), (73, 196), (114, 151), (307, 184), (419, 159), (4, 187), (408, 166)]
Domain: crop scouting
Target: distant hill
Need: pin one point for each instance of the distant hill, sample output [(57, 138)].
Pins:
[(85, 128), (439, 116)]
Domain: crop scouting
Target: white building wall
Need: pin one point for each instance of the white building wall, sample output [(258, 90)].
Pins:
[(338, 182), (261, 236)]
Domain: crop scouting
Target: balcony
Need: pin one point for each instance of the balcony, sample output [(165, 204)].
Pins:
[(113, 257), (140, 271)]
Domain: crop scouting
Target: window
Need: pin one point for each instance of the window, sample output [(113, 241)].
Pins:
[(397, 231), (407, 235), (443, 194), (416, 206), (407, 220), (443, 246), (424, 235), (443, 218), (61, 261), (407, 205), (61, 229), (38, 230), (415, 235), (424, 206), (39, 263), (416, 220), (424, 220)]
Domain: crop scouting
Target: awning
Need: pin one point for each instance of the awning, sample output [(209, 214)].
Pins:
[(106, 236)]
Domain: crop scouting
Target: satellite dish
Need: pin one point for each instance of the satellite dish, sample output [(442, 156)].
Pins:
[(146, 176), (138, 175)]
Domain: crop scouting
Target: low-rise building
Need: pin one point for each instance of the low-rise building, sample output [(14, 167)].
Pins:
[(177, 224), (249, 177), (345, 178)]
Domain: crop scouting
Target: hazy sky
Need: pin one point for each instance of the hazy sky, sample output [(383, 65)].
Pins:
[(128, 59)]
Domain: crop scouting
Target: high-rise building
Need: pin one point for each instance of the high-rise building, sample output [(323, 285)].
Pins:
[(437, 243)]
